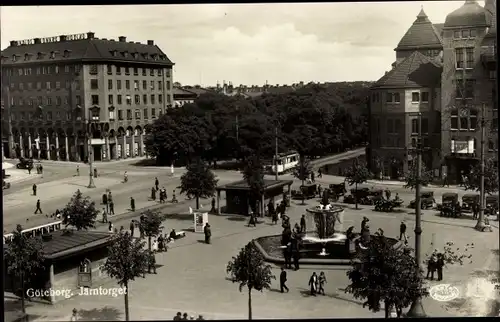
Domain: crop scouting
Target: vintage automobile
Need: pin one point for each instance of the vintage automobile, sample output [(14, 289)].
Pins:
[(24, 163), (426, 200), (447, 199), (491, 205), (450, 207), (468, 200), (338, 188), (385, 205), (307, 191)]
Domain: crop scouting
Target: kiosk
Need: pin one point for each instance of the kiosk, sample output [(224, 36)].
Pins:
[(200, 220)]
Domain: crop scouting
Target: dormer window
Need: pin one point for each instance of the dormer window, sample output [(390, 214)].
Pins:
[(155, 56), (39, 55), (14, 57), (125, 53), (145, 55), (113, 53), (4, 58), (52, 55), (26, 56), (135, 55), (66, 53)]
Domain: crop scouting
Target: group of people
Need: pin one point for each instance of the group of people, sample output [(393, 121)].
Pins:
[(162, 193), (184, 317), (435, 264), (277, 212)]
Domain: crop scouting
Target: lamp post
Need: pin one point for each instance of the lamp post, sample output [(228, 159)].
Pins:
[(93, 119), (417, 309), (276, 153), (480, 221)]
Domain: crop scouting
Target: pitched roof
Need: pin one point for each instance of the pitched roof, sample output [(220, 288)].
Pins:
[(198, 90), (471, 14), (422, 34), (88, 49), (439, 28), (182, 91), (417, 70)]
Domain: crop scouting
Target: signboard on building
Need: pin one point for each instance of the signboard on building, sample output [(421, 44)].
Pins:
[(462, 147)]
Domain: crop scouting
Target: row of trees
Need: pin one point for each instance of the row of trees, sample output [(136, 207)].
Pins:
[(313, 120)]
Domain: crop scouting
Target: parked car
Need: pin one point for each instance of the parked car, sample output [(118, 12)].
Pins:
[(468, 200), (448, 198), (427, 200), (387, 205), (338, 188), (24, 163), (307, 191), (491, 205)]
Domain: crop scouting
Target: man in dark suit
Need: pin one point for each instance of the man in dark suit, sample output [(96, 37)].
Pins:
[(283, 281)]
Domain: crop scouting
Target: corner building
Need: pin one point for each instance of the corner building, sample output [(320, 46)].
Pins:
[(447, 73), (63, 95)]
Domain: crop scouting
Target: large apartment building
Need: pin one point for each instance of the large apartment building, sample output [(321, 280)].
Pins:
[(445, 75), (62, 95)]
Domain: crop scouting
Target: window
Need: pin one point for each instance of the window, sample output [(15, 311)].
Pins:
[(118, 70), (109, 69), (414, 126), (169, 72), (494, 124), (93, 69), (67, 85), (30, 86), (49, 116), (119, 99), (425, 126), (152, 98), (77, 69), (47, 85), (137, 99), (49, 101), (77, 85), (44, 70), (30, 116), (110, 99), (20, 70), (23, 115), (78, 100), (459, 58), (160, 98), (40, 100), (66, 100), (473, 120), (397, 98), (493, 74), (388, 97), (120, 115), (153, 113), (127, 84), (129, 114), (137, 114), (160, 85), (127, 71), (491, 145), (128, 100), (152, 85), (21, 86), (66, 68), (58, 101), (136, 71), (118, 84), (58, 85), (145, 99), (58, 115), (56, 69), (469, 55), (111, 115), (169, 100), (464, 122), (151, 72), (136, 85), (465, 91), (415, 97), (94, 84), (110, 84), (144, 85), (465, 33), (27, 71), (169, 86), (145, 112), (425, 97), (473, 33), (38, 70), (95, 99)]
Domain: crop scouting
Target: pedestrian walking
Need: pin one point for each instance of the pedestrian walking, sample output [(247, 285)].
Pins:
[(38, 207), (74, 315), (439, 266), (77, 170), (320, 173), (475, 210), (104, 215), (287, 254), (313, 283), (364, 222), (95, 172), (303, 224), (252, 221), (283, 286), (445, 180), (125, 177), (319, 190), (152, 262), (431, 267), (153, 193), (34, 189), (388, 194), (208, 233), (174, 199), (132, 203), (322, 282), (111, 208), (296, 257), (110, 227), (132, 227), (213, 210), (402, 232), (157, 183), (312, 177), (178, 317), (41, 169), (30, 167)]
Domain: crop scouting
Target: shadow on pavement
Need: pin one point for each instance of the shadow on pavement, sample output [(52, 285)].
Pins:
[(236, 218), (103, 314), (179, 216)]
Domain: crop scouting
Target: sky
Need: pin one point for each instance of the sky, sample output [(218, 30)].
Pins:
[(245, 43)]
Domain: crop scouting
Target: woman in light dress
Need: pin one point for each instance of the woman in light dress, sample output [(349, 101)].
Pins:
[(155, 246)]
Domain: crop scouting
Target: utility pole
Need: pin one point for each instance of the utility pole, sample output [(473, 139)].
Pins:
[(91, 170), (417, 309), (480, 221), (276, 153)]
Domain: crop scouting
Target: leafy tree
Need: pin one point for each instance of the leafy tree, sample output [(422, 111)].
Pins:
[(357, 174), (383, 273), (411, 176), (473, 178), (24, 258), (249, 269), (253, 173), (127, 259), (454, 255), (151, 224), (80, 212), (199, 181), (302, 171)]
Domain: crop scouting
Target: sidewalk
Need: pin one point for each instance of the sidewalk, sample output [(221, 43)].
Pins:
[(136, 159)]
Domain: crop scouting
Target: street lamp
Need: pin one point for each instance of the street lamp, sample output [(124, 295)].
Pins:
[(93, 119)]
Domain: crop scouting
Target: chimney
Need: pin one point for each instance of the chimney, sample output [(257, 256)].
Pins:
[(104, 38), (13, 43), (61, 38), (37, 41), (138, 42), (131, 42), (151, 42), (111, 40), (90, 35), (122, 39)]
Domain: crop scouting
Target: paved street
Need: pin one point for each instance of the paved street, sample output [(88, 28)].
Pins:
[(191, 276)]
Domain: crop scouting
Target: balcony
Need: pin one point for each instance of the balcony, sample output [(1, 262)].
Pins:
[(489, 56)]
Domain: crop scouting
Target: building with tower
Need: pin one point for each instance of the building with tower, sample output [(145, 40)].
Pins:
[(447, 74), (65, 95)]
